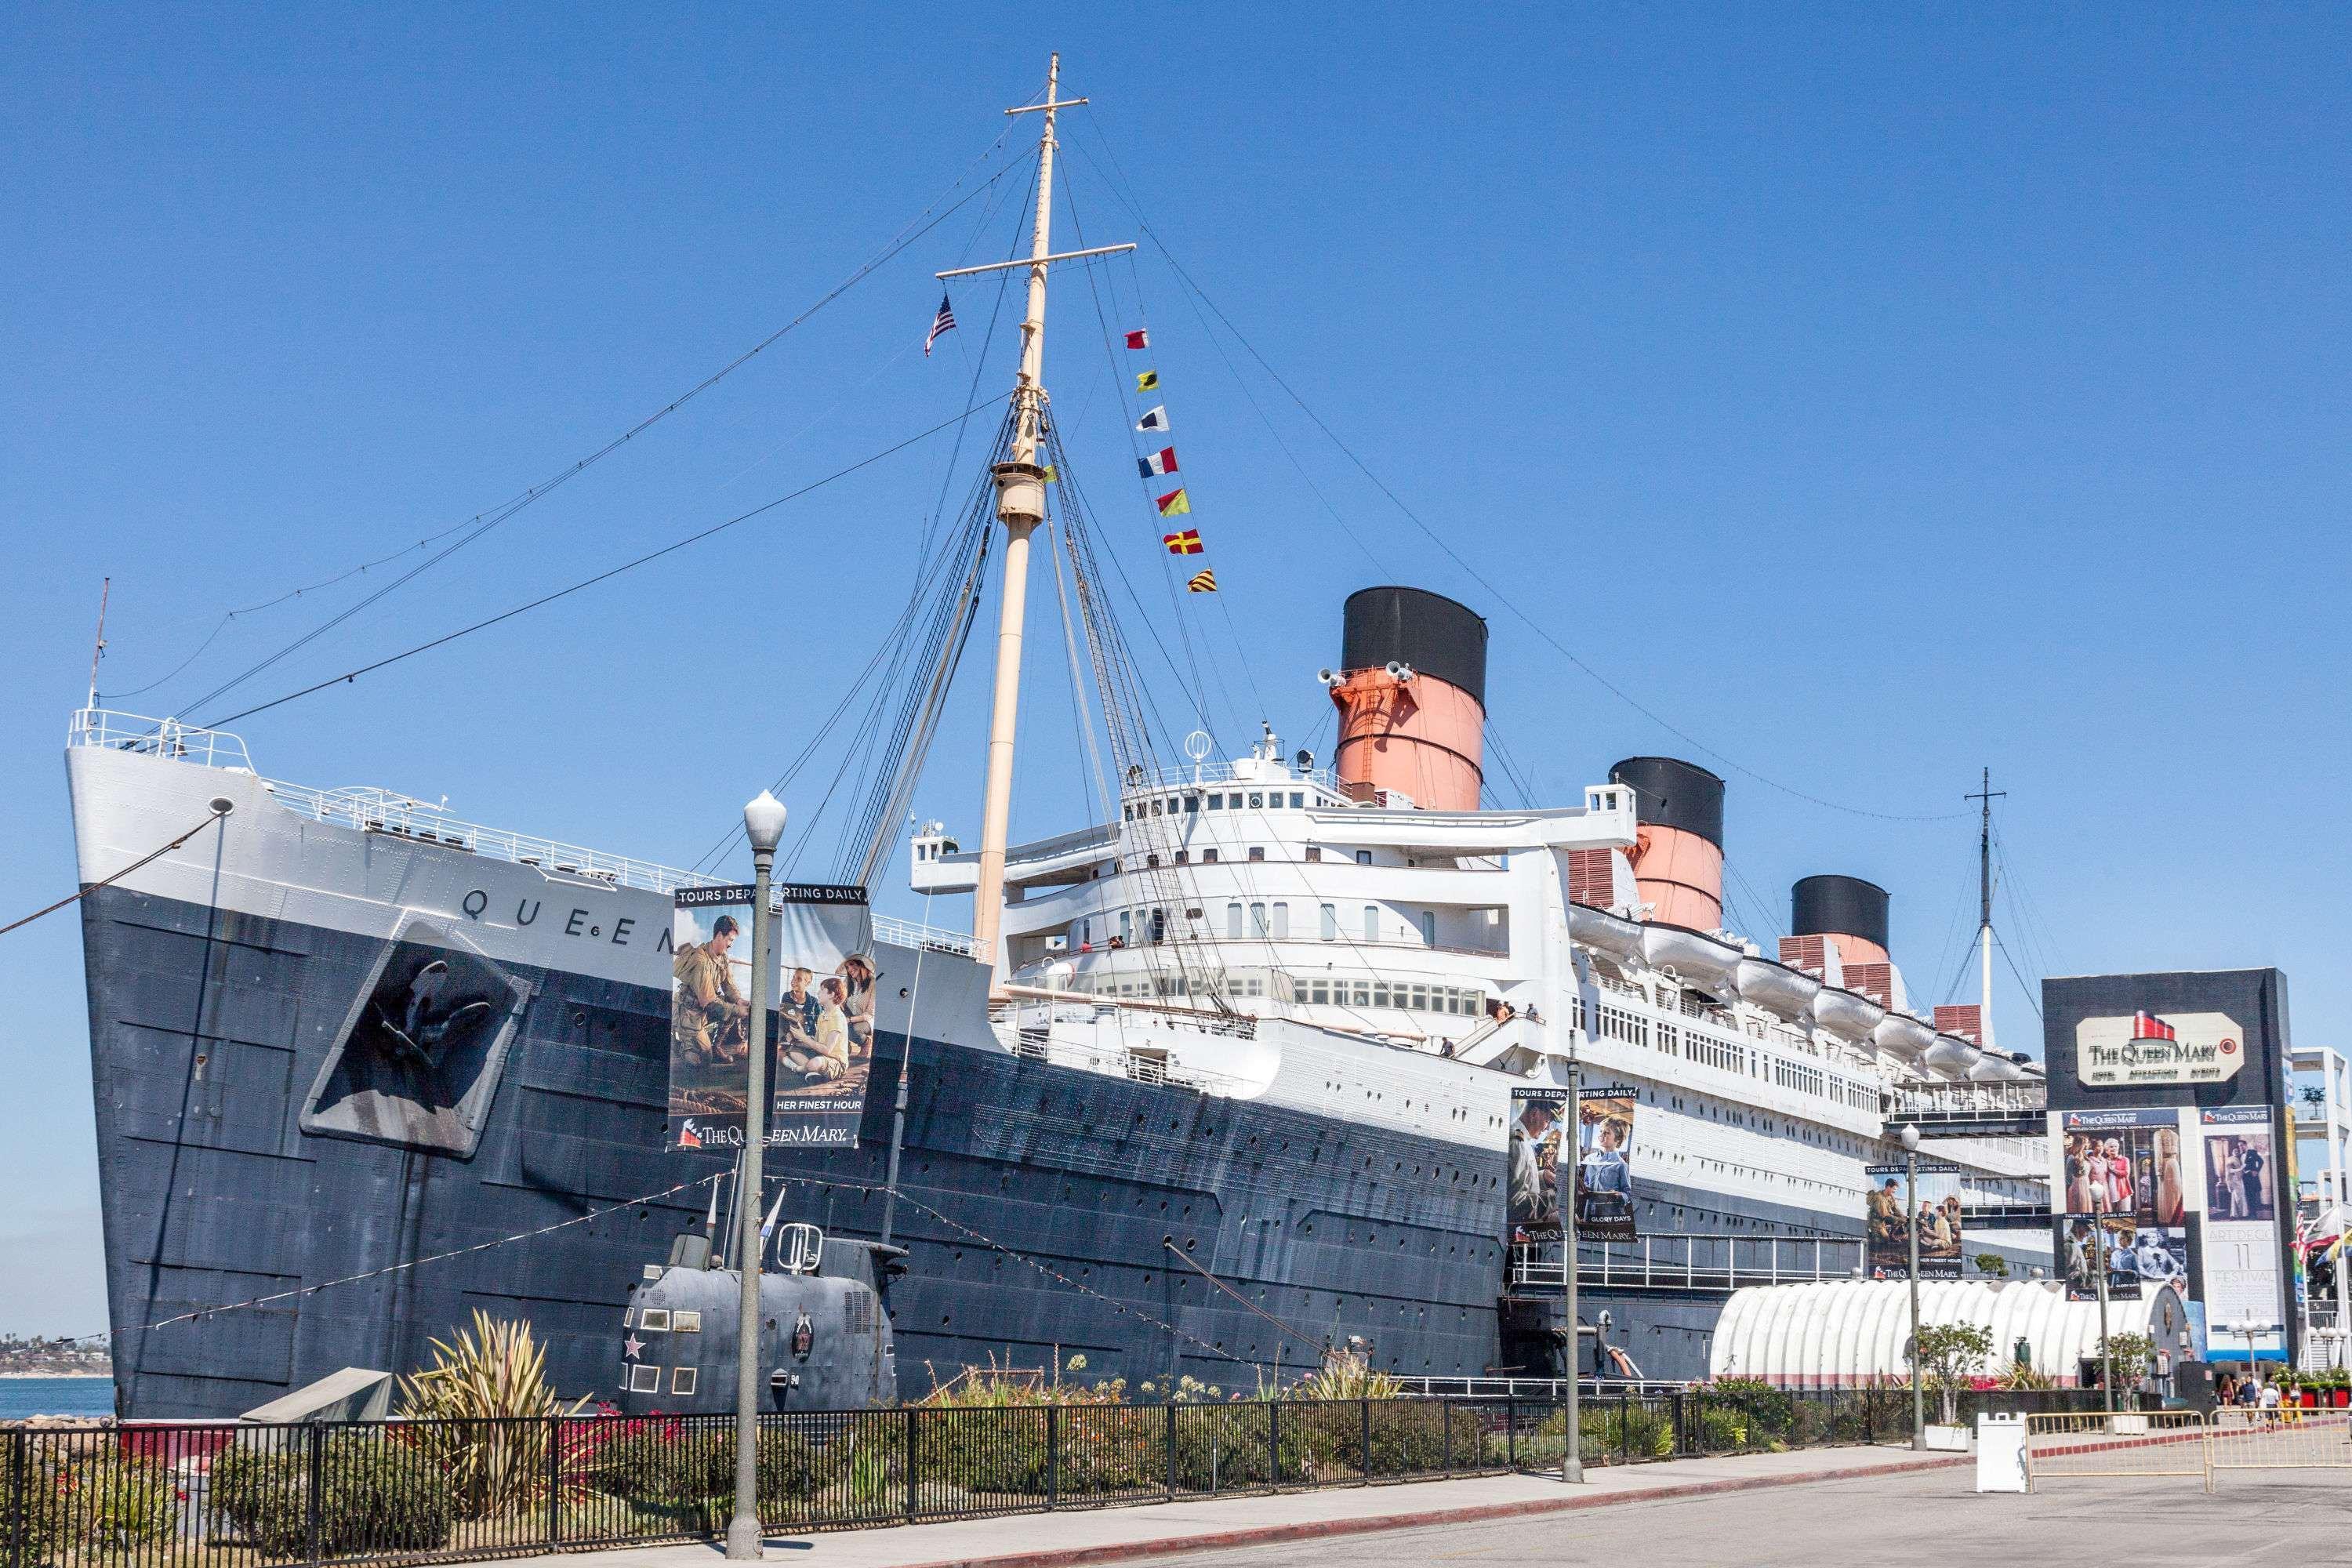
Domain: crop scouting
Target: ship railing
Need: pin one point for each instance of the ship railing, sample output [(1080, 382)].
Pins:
[(1694, 1262), (1967, 1099), (1183, 774), (908, 933), (183, 742)]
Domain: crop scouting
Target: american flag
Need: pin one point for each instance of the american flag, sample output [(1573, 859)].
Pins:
[(2149, 1026), (942, 322)]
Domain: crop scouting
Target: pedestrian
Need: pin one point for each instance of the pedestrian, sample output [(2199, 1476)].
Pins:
[(2269, 1403)]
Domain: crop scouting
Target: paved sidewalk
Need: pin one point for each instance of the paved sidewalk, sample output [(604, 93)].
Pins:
[(1113, 1534)]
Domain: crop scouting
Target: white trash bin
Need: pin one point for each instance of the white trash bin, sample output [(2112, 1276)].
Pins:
[(2001, 1453)]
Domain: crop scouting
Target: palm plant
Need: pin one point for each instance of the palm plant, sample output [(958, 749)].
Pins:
[(494, 1412)]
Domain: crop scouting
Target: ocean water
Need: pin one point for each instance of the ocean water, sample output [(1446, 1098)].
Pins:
[(22, 1396)]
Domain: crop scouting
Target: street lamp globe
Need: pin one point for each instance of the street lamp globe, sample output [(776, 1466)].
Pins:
[(1910, 1132), (763, 823)]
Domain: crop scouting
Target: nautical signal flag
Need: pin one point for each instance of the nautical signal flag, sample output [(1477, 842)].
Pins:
[(1145, 381), (1154, 420), (1185, 543), (1163, 461), (1139, 339), (1202, 582), (1175, 503), (1052, 473), (942, 322)]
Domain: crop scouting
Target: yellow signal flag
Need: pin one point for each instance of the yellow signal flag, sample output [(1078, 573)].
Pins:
[(1202, 582), (1175, 503), (1146, 381), (1052, 473)]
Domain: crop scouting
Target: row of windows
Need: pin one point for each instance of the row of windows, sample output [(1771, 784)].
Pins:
[(663, 1320), (1255, 800), (1253, 919), (1680, 1040), (1452, 1000)]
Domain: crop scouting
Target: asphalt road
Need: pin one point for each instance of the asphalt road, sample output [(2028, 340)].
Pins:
[(1929, 1520)]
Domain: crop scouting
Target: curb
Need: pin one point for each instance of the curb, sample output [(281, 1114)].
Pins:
[(1271, 1534)]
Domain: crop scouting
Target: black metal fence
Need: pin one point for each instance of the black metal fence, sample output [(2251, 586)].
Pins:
[(235, 1495)]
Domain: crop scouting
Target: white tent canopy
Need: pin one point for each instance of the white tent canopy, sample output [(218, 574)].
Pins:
[(1832, 1333)]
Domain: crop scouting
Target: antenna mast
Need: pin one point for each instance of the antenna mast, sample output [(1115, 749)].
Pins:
[(1987, 795), (1020, 507), (97, 647)]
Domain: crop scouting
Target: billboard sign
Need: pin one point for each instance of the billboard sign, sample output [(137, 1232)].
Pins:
[(1535, 1127), (1892, 1216), (2243, 1276), (820, 1031), (2144, 1048)]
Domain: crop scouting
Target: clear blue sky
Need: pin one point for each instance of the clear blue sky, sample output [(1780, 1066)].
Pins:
[(1873, 397)]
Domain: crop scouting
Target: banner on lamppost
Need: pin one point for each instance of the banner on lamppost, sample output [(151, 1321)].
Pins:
[(1891, 1217), (1605, 1169), (1534, 1179), (819, 1027)]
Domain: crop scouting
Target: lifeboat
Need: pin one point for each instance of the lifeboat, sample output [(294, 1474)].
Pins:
[(1701, 961), (1996, 1068), (1776, 987), (1848, 1014), (1900, 1034), (1952, 1055), (1604, 933)]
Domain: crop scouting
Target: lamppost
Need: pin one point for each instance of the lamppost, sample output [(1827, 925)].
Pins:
[(1911, 1224), (1571, 1156), (763, 824), (2099, 1267)]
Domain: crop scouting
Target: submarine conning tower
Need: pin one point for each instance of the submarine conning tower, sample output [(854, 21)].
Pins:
[(1678, 854), (1411, 694)]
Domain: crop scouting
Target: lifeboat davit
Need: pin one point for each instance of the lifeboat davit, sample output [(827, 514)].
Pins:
[(1604, 933), (1777, 988), (1952, 1055), (1902, 1034), (1848, 1014), (1700, 960)]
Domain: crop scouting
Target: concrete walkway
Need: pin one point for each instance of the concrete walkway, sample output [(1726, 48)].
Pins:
[(1113, 1534)]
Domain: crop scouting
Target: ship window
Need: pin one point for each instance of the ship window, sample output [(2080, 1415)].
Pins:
[(645, 1380), (1257, 919), (1216, 803), (1257, 853), (1127, 812), (1184, 856), (681, 1379), (1298, 801), (1150, 861), (1421, 998), (1380, 993), (1282, 919), (1085, 934), (685, 1322), (1330, 922), (1315, 852), (1363, 995), (1371, 920), (1207, 857), (1191, 805), (1159, 925), (1429, 927), (1257, 800), (628, 1317), (1125, 928), (1318, 991), (1364, 857), (1157, 806), (1234, 922), (654, 1319)]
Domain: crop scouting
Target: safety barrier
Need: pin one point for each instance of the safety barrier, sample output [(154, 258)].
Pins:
[(2115, 1443), (2291, 1438), (2137, 1444)]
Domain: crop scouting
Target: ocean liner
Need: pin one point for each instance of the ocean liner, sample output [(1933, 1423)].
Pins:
[(1217, 1084)]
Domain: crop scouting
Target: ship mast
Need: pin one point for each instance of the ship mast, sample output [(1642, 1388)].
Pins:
[(1987, 795), (1020, 507)]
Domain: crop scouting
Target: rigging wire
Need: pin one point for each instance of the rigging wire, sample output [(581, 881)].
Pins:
[(1438, 538), (142, 860), (483, 522), (606, 575)]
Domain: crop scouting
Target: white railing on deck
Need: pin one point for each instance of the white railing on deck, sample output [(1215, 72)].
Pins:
[(374, 810), (1698, 1262)]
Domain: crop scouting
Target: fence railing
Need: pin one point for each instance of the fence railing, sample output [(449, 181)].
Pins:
[(232, 1495)]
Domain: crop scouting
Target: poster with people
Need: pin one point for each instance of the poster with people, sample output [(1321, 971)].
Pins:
[(1537, 1123), (1891, 1214), (820, 1027), (2245, 1280), (2124, 1163), (1604, 1170), (2110, 1243)]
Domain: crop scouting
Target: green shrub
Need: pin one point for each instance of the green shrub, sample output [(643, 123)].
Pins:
[(379, 1491), (680, 1479), (83, 1504)]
